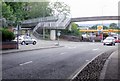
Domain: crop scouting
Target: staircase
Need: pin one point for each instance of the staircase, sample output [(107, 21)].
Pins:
[(61, 22)]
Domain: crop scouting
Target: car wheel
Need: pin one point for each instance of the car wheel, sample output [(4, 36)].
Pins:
[(26, 43), (34, 42), (114, 44), (104, 44), (23, 42)]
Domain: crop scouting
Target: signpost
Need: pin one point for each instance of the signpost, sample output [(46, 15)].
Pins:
[(109, 31), (100, 30), (58, 34), (18, 29)]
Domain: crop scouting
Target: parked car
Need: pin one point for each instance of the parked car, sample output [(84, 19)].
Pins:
[(109, 41), (23, 39), (117, 40)]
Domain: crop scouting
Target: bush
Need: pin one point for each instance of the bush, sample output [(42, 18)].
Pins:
[(6, 34)]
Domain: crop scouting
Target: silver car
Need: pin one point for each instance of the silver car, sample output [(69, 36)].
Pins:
[(26, 40), (109, 41)]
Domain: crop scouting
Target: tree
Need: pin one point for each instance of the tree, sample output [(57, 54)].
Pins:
[(39, 9), (60, 8), (74, 30), (18, 11), (13, 12), (105, 27), (95, 27), (113, 26), (7, 12)]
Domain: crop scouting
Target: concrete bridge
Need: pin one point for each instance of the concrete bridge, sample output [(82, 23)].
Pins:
[(33, 22), (96, 18), (59, 22)]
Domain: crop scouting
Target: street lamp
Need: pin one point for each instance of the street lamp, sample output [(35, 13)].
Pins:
[(43, 21), (58, 35), (102, 22), (18, 29)]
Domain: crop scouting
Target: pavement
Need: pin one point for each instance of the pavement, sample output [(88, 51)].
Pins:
[(41, 44), (110, 70)]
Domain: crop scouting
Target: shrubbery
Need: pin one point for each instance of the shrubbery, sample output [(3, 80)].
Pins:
[(6, 34)]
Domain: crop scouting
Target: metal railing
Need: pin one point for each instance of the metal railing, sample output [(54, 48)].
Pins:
[(61, 23), (43, 19)]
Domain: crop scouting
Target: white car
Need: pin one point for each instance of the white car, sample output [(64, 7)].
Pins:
[(109, 41), (23, 39)]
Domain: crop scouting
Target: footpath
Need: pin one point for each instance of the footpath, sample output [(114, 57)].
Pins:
[(41, 44), (111, 68)]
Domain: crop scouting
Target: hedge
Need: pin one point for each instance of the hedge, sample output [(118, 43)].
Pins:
[(6, 35)]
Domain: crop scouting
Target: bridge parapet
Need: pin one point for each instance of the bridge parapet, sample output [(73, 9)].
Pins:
[(42, 19), (96, 18)]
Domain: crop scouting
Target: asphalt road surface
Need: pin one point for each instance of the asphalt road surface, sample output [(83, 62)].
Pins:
[(54, 63)]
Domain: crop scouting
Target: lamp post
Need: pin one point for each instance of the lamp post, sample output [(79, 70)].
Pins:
[(43, 21), (102, 22), (18, 29), (58, 34)]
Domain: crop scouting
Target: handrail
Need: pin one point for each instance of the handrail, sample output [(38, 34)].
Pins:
[(61, 22), (50, 18)]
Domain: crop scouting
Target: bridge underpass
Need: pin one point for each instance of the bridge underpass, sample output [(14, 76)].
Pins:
[(56, 23)]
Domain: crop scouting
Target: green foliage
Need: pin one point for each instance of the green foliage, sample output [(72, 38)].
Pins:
[(105, 27), (74, 31), (6, 34), (7, 12), (95, 27), (18, 11), (113, 26), (39, 9)]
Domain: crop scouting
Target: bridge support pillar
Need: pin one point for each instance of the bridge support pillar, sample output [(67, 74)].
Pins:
[(69, 28), (52, 34)]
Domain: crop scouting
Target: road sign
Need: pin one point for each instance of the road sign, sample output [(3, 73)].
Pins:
[(58, 34), (99, 27)]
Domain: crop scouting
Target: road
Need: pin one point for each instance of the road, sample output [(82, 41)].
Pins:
[(55, 63)]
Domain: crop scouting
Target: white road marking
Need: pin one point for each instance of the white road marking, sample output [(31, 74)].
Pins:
[(72, 47), (62, 53), (26, 63), (95, 49), (87, 60), (91, 43)]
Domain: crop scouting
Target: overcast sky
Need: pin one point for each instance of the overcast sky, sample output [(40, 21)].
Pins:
[(88, 8)]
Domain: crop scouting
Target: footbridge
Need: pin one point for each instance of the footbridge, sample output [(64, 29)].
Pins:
[(59, 22)]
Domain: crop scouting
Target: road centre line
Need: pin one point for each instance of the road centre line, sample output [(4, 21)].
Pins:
[(62, 53), (26, 63), (87, 60), (72, 47), (95, 49)]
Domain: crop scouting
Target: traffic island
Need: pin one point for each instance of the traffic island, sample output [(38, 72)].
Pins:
[(92, 70)]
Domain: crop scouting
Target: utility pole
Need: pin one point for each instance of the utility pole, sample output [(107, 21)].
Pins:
[(18, 32), (43, 21)]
